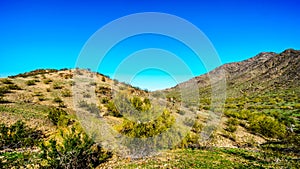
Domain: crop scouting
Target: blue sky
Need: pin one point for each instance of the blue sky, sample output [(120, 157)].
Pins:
[(50, 34)]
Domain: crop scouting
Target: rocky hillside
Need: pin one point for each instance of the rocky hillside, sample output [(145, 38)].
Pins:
[(264, 72), (267, 85)]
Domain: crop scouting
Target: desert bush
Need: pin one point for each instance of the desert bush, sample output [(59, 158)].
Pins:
[(104, 100), (72, 83), (41, 98), (90, 107), (62, 105), (197, 127), (191, 140), (140, 105), (18, 135), (232, 121), (137, 103), (188, 121), (58, 116), (267, 126), (30, 82), (47, 81), (112, 109), (147, 129), (4, 90), (104, 90), (68, 76), (57, 86), (230, 135), (231, 128), (93, 84), (103, 79), (57, 100), (181, 112), (74, 150), (231, 113), (66, 93)]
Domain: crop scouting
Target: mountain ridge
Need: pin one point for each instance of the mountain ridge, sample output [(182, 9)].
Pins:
[(271, 69)]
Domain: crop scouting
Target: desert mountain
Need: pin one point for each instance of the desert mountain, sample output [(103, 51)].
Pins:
[(264, 72)]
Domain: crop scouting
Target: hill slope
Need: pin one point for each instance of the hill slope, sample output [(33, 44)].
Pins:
[(260, 113)]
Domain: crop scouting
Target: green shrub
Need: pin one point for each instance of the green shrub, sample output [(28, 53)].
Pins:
[(30, 82), (231, 113), (232, 121), (197, 127), (62, 105), (72, 83), (47, 81), (231, 128), (147, 129), (112, 109), (267, 126), (230, 135), (41, 98), (104, 100), (18, 135), (137, 103), (76, 150), (57, 86), (140, 105), (66, 93), (58, 116), (57, 100)]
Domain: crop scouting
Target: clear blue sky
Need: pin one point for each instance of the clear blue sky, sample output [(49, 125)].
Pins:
[(50, 34)]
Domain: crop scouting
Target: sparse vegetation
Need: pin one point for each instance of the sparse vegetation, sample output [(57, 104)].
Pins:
[(18, 135), (90, 107), (47, 81), (7, 81), (4, 90), (30, 82)]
